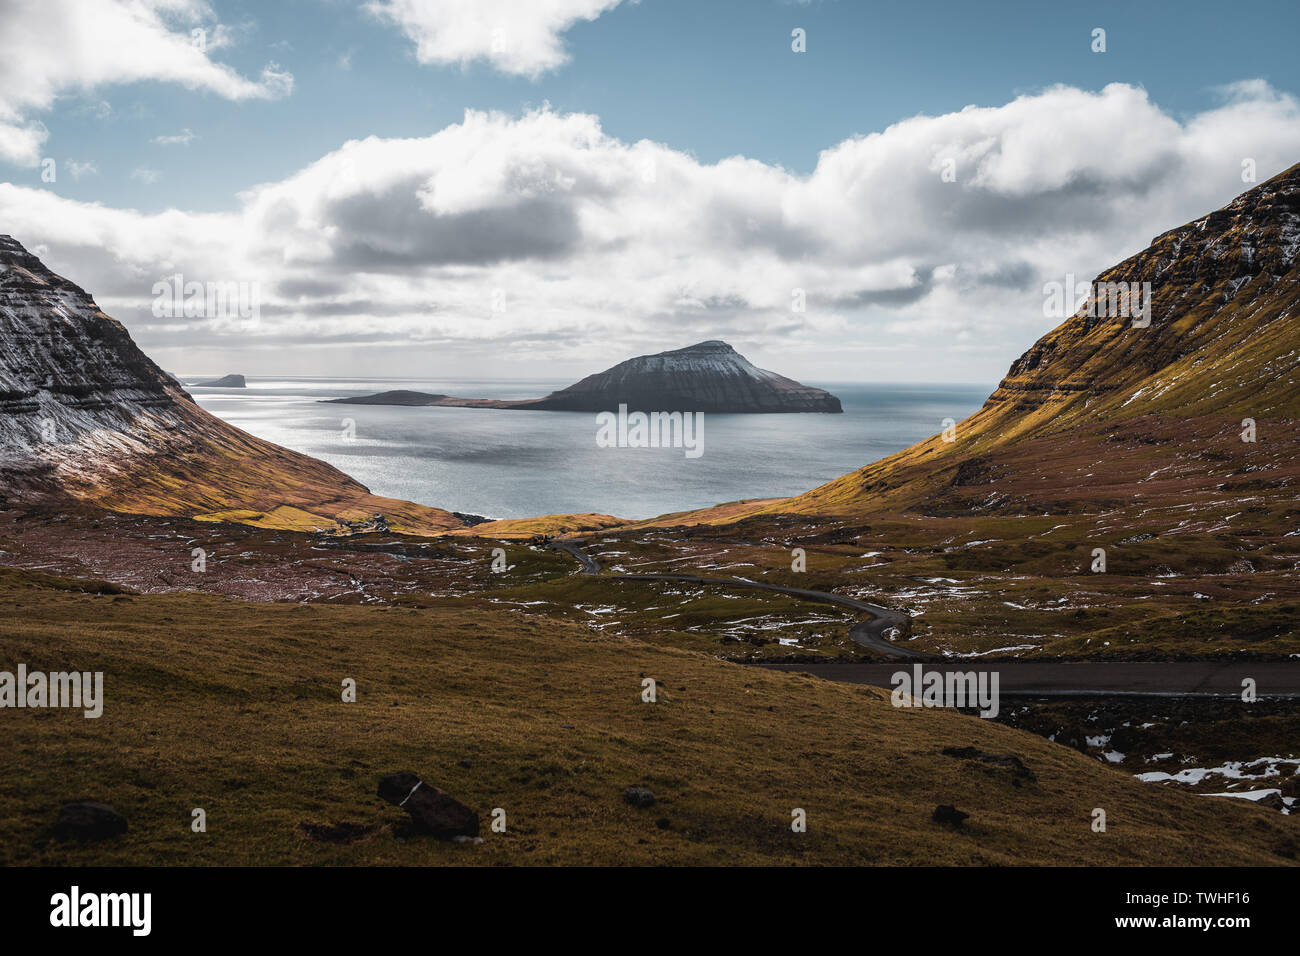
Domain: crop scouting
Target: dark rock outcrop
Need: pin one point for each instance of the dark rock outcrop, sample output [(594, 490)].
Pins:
[(59, 352), (86, 821), (1271, 801), (640, 797), (432, 811), (946, 813)]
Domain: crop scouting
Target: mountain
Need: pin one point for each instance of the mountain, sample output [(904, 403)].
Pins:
[(708, 377), (226, 381), (1099, 410), (84, 414), (1128, 491)]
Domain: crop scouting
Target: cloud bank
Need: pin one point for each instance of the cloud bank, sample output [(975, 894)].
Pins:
[(541, 236)]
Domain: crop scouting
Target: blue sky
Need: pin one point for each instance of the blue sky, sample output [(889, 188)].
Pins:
[(716, 79), (706, 81)]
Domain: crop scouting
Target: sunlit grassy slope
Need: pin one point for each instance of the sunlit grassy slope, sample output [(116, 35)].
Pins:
[(1223, 346)]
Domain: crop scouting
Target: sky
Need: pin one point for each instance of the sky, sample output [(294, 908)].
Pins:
[(844, 191)]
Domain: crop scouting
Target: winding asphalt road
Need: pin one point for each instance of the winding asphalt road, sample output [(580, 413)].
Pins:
[(870, 633), (1038, 678)]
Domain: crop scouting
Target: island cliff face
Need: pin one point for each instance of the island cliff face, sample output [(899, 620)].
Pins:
[(85, 415), (708, 377)]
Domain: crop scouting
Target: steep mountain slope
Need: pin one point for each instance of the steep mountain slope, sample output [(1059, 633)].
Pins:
[(1223, 345), (85, 414), (708, 377)]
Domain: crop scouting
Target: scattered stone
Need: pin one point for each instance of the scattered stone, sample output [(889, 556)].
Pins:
[(945, 813), (1291, 786), (466, 762), (86, 821), (663, 823), (640, 797), (476, 840), (432, 811)]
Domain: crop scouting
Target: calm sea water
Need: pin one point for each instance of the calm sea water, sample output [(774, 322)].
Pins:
[(515, 464)]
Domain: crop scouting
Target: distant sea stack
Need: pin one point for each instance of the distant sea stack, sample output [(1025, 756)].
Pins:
[(226, 381), (708, 377)]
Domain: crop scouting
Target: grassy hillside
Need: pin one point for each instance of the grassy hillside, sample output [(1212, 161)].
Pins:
[(235, 708), (215, 472), (1223, 345)]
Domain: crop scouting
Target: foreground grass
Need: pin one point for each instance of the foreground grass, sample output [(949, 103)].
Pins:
[(235, 708)]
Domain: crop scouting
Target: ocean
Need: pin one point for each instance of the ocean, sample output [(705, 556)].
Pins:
[(518, 464)]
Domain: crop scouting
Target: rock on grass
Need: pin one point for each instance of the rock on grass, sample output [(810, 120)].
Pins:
[(432, 811), (640, 797), (87, 821)]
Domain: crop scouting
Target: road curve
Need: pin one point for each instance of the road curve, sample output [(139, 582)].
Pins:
[(869, 633), (1033, 678)]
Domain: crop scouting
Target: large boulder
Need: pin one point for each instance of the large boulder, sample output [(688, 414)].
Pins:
[(86, 821), (946, 813), (432, 811), (640, 797)]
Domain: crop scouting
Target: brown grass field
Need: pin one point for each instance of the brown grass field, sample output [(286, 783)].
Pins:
[(235, 707)]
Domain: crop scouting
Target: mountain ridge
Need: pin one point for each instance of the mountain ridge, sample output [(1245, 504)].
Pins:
[(86, 415), (1223, 345)]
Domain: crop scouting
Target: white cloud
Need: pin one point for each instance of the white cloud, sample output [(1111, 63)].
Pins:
[(183, 138), (78, 169), (605, 248), (144, 174), (525, 39), (49, 48)]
